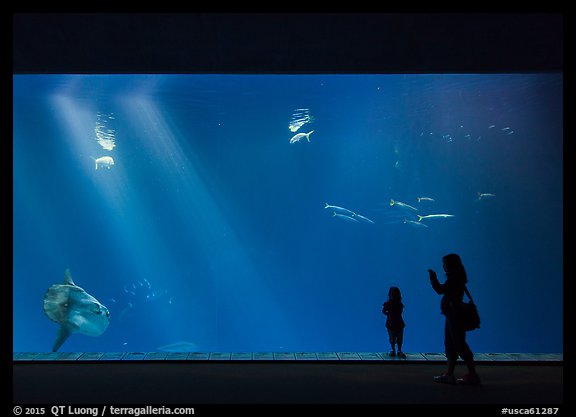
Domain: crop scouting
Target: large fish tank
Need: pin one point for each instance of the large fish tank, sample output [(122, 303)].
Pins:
[(189, 207)]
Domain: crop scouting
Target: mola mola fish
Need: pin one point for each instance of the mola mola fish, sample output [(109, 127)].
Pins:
[(74, 310)]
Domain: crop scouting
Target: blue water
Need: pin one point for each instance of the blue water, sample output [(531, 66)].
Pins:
[(210, 229)]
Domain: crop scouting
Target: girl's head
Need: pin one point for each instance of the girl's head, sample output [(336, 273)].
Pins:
[(453, 267), (394, 294)]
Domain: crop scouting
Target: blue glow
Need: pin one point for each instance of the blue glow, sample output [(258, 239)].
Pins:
[(210, 229)]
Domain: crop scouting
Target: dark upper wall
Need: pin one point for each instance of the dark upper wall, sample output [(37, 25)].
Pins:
[(287, 42)]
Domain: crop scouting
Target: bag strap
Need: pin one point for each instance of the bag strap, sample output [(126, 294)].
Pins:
[(468, 294)]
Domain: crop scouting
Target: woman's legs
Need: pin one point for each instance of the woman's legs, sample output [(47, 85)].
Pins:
[(455, 345), (462, 348), (458, 346), (450, 347)]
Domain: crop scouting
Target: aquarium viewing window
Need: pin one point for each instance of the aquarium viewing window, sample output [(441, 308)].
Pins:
[(272, 213)]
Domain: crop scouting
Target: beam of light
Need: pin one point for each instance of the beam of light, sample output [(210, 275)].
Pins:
[(203, 221), (139, 235), (112, 186), (129, 227), (79, 119)]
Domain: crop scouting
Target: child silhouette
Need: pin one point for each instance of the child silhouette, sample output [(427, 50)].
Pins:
[(394, 322)]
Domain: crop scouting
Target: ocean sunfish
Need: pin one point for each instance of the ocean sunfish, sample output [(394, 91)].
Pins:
[(106, 161), (74, 310)]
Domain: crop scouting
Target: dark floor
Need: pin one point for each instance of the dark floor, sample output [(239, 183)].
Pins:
[(197, 383)]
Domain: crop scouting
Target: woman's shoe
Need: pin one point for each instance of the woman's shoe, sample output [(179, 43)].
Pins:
[(445, 379), (401, 354), (469, 379)]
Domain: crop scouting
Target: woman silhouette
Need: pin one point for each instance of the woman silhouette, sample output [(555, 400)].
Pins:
[(455, 345)]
